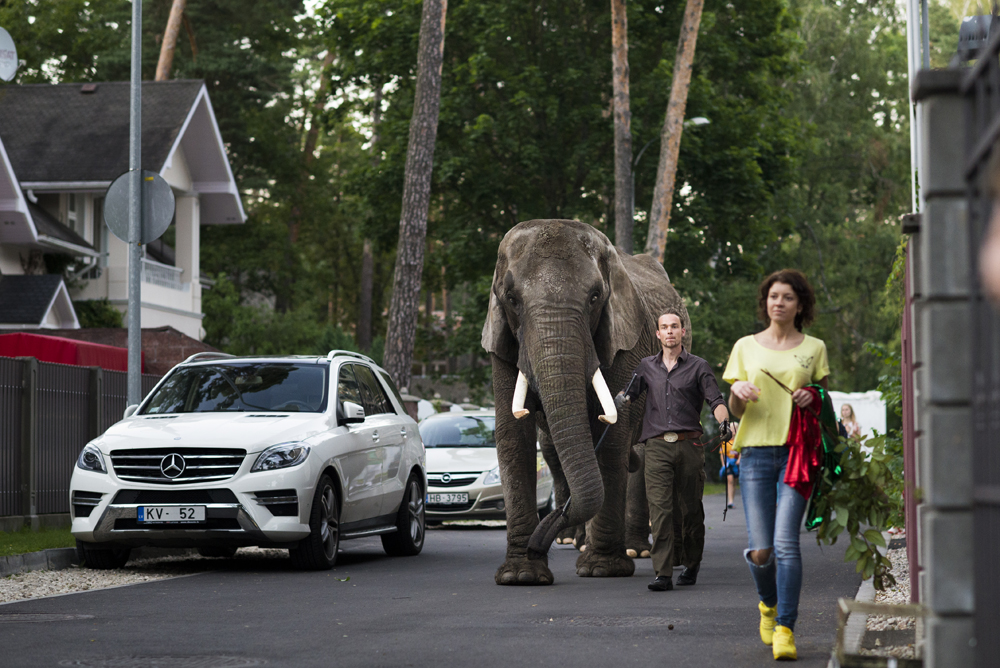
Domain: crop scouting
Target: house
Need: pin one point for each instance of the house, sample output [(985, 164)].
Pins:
[(61, 146)]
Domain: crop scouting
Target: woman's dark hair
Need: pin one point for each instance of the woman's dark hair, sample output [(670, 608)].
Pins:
[(804, 291)]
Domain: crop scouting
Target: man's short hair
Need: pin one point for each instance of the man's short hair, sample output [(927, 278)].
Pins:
[(670, 311)]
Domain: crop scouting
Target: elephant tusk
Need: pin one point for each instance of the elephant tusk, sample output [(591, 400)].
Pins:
[(604, 395), (520, 393)]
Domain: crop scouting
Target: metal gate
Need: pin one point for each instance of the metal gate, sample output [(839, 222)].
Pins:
[(981, 90)]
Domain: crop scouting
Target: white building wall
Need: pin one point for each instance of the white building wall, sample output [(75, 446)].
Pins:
[(10, 261)]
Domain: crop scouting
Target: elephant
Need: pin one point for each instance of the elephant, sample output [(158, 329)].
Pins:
[(569, 318)]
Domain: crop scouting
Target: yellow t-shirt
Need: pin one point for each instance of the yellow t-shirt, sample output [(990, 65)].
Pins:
[(766, 421)]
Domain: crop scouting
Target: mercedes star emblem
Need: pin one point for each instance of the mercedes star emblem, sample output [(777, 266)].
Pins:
[(446, 477), (172, 466)]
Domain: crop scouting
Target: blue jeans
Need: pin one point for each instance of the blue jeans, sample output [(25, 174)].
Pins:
[(774, 514)]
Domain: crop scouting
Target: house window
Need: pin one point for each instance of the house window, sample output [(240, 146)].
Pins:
[(71, 214), (101, 232)]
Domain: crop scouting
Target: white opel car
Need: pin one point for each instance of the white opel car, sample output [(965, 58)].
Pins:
[(287, 452), (463, 474)]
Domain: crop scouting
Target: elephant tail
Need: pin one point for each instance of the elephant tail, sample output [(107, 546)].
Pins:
[(546, 532)]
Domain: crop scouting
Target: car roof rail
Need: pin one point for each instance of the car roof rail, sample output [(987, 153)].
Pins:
[(207, 355), (349, 353)]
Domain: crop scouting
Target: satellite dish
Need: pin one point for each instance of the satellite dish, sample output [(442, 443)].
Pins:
[(8, 56)]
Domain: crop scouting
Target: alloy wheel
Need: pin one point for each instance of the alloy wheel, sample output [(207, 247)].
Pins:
[(329, 524), (416, 508)]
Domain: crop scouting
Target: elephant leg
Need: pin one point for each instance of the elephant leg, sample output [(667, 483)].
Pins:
[(637, 509), (605, 548), (518, 459)]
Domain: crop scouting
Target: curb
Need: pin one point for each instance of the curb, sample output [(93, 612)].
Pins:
[(59, 558), (54, 559)]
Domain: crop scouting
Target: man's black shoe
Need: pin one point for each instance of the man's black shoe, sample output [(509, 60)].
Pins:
[(661, 583), (689, 575)]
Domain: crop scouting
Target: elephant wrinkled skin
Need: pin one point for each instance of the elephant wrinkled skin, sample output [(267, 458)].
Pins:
[(565, 303)]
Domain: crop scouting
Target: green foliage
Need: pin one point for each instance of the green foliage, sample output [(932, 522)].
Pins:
[(868, 498), (97, 313), (858, 505)]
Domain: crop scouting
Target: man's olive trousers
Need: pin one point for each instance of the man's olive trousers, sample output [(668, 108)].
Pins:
[(675, 472)]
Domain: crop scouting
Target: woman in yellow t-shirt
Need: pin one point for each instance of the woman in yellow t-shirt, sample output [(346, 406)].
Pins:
[(773, 509)]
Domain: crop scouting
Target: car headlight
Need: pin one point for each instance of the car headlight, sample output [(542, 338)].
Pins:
[(91, 459), (281, 456), (493, 477)]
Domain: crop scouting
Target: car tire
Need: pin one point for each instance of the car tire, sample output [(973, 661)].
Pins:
[(411, 523), (102, 558), (549, 507), (221, 552), (318, 550)]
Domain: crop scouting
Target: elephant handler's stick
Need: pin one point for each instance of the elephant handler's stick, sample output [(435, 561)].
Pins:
[(550, 526)]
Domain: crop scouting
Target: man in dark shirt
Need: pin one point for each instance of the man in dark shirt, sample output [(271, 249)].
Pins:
[(677, 383)]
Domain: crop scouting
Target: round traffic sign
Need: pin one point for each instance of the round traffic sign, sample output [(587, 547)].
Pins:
[(157, 207), (8, 56)]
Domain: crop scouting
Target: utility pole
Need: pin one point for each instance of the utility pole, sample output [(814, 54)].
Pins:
[(135, 213)]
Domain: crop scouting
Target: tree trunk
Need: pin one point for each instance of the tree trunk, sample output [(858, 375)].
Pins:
[(403, 308), (166, 61), (670, 137), (623, 127), (283, 300), (364, 330)]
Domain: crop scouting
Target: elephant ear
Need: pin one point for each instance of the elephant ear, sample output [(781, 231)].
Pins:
[(497, 335), (623, 318)]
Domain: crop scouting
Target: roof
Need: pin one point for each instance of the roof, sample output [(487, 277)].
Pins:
[(56, 133), (28, 300), (56, 234)]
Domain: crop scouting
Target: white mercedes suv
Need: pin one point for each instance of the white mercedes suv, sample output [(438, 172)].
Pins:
[(291, 452)]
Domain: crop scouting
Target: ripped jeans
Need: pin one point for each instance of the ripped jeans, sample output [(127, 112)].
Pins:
[(774, 516)]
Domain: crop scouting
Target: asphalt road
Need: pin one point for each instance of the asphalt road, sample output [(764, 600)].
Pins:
[(440, 608)]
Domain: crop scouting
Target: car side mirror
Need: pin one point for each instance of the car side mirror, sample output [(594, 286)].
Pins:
[(130, 411), (353, 413)]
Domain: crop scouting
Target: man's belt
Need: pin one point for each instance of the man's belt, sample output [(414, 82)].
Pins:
[(674, 436)]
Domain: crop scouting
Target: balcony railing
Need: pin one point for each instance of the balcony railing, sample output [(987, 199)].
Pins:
[(163, 275)]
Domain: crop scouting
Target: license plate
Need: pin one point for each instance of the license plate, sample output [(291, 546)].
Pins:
[(448, 498), (172, 514)]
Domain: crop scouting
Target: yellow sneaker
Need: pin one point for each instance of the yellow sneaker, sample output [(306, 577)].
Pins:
[(784, 644), (767, 616)]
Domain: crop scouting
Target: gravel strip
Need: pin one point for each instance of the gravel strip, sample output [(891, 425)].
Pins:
[(899, 594), (36, 584)]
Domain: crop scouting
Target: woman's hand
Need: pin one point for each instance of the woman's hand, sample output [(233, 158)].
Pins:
[(745, 390), (802, 398)]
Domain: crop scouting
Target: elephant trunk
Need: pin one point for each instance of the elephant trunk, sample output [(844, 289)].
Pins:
[(562, 387)]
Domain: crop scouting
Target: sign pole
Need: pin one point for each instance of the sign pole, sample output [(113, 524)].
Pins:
[(135, 213)]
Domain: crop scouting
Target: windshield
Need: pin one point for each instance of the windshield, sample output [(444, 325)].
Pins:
[(250, 386), (464, 431)]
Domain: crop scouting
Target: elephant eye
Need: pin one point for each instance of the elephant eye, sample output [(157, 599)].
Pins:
[(511, 299), (594, 296)]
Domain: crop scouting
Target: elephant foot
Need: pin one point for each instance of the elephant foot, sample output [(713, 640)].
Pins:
[(593, 564), (637, 548), (524, 571)]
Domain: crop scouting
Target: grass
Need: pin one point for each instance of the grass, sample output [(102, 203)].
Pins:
[(715, 488), (25, 540)]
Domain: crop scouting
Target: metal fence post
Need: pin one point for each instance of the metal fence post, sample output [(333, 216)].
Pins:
[(95, 401), (29, 437)]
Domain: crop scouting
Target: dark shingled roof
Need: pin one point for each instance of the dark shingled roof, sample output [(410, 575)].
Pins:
[(49, 226), (56, 133), (24, 299)]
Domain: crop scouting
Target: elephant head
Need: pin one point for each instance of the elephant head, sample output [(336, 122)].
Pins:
[(562, 306)]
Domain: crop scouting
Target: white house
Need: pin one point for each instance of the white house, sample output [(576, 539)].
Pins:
[(61, 146)]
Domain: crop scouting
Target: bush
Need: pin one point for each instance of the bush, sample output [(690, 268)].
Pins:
[(97, 313)]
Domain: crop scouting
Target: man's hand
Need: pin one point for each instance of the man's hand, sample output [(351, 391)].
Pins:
[(622, 400), (725, 431)]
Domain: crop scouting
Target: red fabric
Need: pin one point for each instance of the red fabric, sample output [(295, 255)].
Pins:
[(65, 351), (805, 440)]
